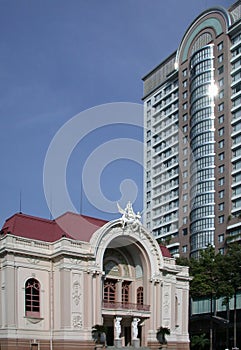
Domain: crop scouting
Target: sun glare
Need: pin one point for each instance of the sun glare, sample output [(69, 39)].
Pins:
[(212, 90)]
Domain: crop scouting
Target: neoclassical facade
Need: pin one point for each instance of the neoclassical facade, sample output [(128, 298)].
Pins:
[(61, 277)]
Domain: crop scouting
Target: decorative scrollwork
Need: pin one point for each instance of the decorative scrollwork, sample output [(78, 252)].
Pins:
[(77, 321), (76, 292)]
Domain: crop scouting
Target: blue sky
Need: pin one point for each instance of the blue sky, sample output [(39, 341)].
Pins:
[(59, 58)]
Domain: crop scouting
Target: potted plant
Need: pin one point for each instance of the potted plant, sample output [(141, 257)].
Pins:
[(99, 335), (161, 334), (199, 342)]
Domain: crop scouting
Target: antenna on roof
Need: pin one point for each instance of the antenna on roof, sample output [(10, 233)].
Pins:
[(20, 202), (81, 200), (50, 209)]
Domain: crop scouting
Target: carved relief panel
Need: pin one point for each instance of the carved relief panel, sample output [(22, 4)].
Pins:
[(77, 300)]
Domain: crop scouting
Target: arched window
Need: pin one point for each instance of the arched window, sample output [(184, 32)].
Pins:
[(32, 298), (125, 292), (109, 290), (139, 296)]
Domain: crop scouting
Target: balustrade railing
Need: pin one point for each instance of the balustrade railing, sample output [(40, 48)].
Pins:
[(125, 306)]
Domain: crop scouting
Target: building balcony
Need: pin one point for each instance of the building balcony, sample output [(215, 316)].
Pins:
[(236, 106), (235, 69), (164, 123), (164, 231), (234, 46), (162, 95), (168, 176), (234, 229), (235, 171), (234, 239), (236, 132), (124, 306), (165, 166), (162, 114)]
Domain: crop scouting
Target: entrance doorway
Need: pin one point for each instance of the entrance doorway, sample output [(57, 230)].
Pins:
[(127, 333), (140, 333), (126, 330), (110, 336)]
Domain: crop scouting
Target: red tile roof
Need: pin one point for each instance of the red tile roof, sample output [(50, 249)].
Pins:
[(79, 227), (75, 226), (165, 251), (70, 225)]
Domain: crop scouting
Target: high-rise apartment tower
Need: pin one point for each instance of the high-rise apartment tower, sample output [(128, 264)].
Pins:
[(192, 118)]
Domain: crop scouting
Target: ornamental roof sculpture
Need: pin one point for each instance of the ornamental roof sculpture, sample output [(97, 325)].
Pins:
[(129, 217)]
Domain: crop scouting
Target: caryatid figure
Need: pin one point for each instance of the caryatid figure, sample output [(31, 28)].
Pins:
[(118, 327), (134, 325)]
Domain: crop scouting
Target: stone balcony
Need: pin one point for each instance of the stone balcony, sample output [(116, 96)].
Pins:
[(125, 306)]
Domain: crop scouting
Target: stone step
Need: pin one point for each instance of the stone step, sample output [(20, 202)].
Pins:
[(127, 348)]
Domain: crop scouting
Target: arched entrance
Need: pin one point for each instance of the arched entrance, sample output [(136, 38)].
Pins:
[(126, 304), (137, 285)]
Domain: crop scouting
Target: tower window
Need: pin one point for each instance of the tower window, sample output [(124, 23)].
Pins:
[(221, 238), (221, 119), (221, 131), (221, 107), (221, 181), (220, 70), (221, 169), (220, 58), (220, 46), (221, 82), (221, 156), (221, 194), (221, 207), (32, 298), (221, 144), (221, 219)]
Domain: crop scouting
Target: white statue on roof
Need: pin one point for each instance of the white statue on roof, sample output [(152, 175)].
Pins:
[(129, 216)]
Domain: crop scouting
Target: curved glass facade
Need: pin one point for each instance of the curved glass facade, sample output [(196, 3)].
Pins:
[(202, 146), (194, 173)]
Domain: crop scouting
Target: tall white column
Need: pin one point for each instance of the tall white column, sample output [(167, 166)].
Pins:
[(65, 298)]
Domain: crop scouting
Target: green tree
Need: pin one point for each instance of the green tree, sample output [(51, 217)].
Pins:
[(214, 276), (207, 280), (207, 275), (231, 267)]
